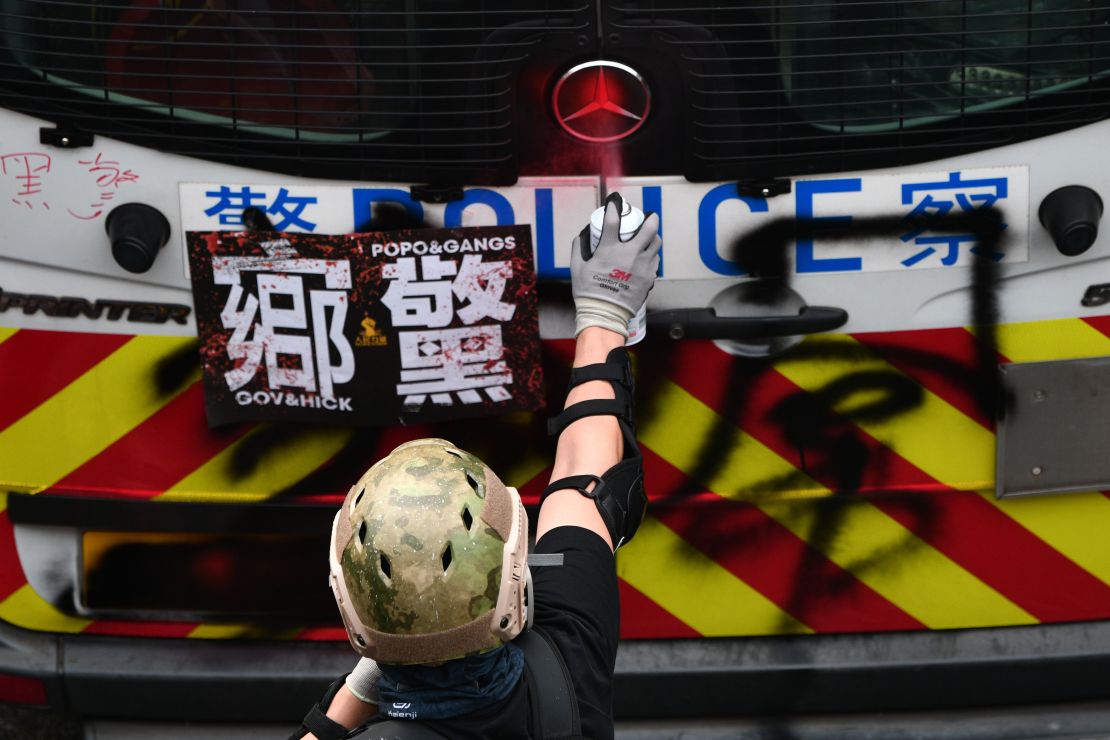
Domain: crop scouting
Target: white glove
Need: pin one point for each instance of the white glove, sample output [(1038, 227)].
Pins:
[(611, 284), (363, 681)]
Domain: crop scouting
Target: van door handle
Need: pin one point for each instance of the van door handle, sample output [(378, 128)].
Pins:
[(704, 323)]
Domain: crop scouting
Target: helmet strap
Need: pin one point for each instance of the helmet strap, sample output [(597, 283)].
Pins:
[(529, 605)]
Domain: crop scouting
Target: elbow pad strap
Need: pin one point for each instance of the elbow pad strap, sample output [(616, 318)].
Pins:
[(582, 409), (618, 494)]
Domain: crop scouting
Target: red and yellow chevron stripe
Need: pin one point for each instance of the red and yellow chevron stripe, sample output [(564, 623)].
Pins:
[(783, 501)]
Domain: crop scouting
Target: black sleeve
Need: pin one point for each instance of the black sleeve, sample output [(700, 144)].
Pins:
[(578, 606)]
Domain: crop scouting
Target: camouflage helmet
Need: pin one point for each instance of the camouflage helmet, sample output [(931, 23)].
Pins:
[(429, 557)]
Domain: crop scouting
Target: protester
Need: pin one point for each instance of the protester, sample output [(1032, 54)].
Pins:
[(456, 622)]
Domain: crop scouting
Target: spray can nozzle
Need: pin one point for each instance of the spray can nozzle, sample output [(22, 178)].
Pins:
[(631, 219)]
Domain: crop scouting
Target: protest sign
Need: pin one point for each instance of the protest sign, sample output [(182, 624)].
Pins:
[(366, 329)]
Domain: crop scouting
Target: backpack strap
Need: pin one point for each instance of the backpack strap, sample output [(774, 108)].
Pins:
[(554, 706), (317, 722)]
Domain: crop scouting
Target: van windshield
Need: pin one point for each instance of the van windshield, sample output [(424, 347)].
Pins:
[(291, 72), (863, 66)]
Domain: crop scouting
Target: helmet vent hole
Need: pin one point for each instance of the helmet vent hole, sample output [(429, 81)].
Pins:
[(358, 496), (468, 518), (362, 529), (383, 563), (446, 557), (453, 453), (474, 483)]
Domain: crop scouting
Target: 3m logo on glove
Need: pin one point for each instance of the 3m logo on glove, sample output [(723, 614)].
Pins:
[(613, 283)]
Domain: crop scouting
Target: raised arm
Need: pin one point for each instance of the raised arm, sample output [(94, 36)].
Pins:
[(597, 475)]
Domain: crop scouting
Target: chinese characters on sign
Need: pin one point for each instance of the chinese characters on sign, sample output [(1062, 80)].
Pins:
[(287, 323), (441, 361), (934, 221), (366, 328), (932, 201), (229, 205)]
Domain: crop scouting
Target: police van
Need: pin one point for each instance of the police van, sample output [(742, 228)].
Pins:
[(873, 392)]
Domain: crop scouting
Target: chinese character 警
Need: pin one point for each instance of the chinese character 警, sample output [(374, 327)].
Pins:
[(231, 203), (109, 176)]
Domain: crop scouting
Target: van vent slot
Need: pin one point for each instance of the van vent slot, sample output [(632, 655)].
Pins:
[(354, 89)]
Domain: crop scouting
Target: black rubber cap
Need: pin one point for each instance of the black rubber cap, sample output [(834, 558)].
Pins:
[(1071, 215), (137, 232)]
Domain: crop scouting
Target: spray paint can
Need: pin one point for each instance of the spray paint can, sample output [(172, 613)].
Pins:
[(631, 218)]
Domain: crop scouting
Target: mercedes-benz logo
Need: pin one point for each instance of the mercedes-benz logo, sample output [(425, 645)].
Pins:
[(601, 101)]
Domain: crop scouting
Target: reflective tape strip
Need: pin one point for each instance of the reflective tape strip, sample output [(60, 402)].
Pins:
[(901, 566), (87, 415), (679, 429), (244, 631), (963, 449), (1002, 553), (6, 332), (927, 436), (695, 589), (1075, 524), (20, 605), (871, 545), (322, 634), (1066, 339), (27, 609), (933, 435), (11, 575), (137, 628), (269, 471), (1099, 323), (946, 361), (768, 557), (642, 618), (41, 363), (126, 466)]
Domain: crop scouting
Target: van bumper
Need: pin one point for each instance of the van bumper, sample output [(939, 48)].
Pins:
[(236, 681)]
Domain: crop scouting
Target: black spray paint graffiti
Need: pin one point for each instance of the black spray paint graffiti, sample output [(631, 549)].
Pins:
[(764, 253), (821, 424)]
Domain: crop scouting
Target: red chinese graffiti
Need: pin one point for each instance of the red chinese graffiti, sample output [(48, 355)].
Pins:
[(109, 176), (29, 171)]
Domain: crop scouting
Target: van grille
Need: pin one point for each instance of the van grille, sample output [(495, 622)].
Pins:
[(799, 86), (366, 89), (455, 91)]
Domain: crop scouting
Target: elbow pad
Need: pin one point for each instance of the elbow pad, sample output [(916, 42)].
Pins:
[(619, 492)]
